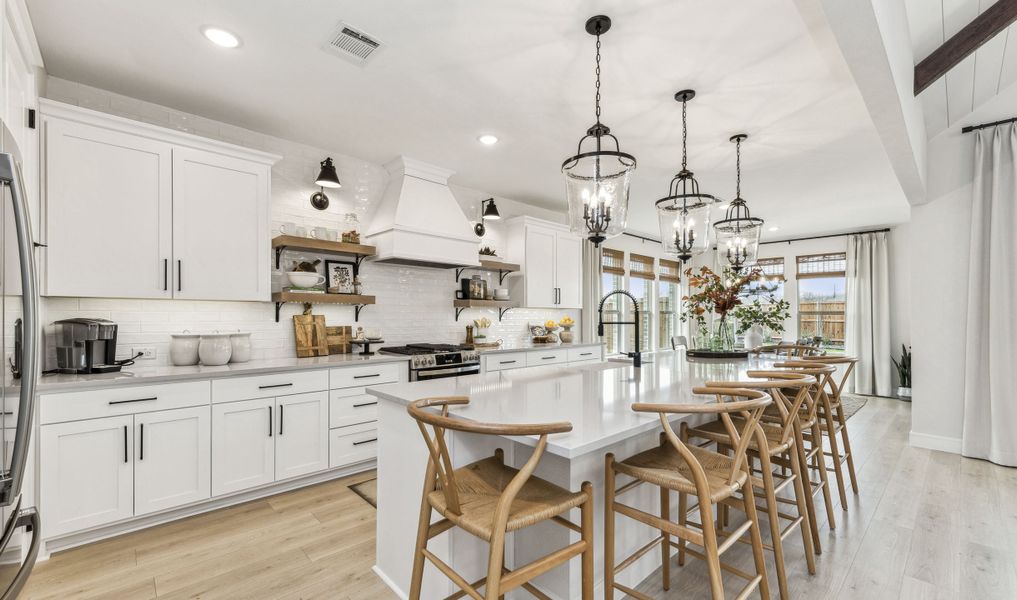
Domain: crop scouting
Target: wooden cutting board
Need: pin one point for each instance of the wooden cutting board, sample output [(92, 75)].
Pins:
[(339, 339), (310, 335)]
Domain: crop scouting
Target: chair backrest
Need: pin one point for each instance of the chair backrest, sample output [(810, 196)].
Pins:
[(439, 466), (749, 404), (778, 384), (836, 387), (823, 374), (679, 340)]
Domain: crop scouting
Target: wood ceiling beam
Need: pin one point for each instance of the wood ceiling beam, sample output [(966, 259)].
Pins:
[(995, 19)]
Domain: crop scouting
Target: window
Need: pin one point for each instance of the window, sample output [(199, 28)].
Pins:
[(641, 276), (822, 301), (668, 298), (612, 278), (772, 282)]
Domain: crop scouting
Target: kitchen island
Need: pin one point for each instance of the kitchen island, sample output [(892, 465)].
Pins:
[(596, 398)]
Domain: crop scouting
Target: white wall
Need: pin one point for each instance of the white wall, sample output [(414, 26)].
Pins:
[(414, 304)]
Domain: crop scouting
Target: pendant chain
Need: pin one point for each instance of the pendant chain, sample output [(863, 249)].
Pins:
[(597, 101), (738, 168), (685, 133)]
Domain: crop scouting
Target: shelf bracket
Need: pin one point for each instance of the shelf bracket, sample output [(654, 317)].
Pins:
[(459, 311), (459, 272), (278, 306), (502, 311), (278, 256), (356, 312), (501, 277), (356, 264)]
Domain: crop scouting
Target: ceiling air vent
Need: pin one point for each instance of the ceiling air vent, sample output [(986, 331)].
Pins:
[(352, 45)]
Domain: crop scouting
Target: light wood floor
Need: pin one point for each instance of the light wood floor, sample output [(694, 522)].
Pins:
[(927, 525)]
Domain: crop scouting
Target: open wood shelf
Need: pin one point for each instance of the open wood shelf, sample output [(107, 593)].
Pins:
[(292, 242), (494, 266), (355, 300), (503, 306)]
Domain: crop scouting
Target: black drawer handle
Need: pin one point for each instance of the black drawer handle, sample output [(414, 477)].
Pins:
[(507, 362), (548, 357), (585, 354), (365, 441), (363, 404), (367, 376), (152, 399), (8, 412), (275, 385)]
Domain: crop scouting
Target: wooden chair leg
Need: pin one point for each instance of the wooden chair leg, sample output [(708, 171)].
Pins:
[(831, 429), (423, 525), (810, 504), (711, 550), (495, 562), (772, 511), (824, 477), (683, 517), (847, 448), (609, 487), (665, 542), (803, 511), (757, 539), (586, 523)]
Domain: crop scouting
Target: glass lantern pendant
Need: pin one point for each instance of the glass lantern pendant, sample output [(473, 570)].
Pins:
[(738, 232), (685, 212), (597, 180)]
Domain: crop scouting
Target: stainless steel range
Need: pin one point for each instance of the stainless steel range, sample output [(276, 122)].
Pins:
[(436, 361)]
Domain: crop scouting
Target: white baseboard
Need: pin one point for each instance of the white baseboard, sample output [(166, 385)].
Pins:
[(387, 581), (935, 442)]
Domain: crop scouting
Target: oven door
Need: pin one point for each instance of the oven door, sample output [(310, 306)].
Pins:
[(443, 372)]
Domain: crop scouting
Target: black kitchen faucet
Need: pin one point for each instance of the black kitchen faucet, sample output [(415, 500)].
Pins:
[(636, 356)]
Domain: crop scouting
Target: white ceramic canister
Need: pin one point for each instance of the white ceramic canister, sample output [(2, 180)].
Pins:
[(215, 349), (184, 348), (241, 344)]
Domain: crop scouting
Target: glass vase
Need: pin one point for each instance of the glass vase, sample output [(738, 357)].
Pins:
[(723, 339)]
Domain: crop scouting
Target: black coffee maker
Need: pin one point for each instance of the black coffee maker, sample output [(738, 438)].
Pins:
[(85, 346)]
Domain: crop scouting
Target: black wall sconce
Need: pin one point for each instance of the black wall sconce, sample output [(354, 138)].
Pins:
[(488, 212), (327, 178)]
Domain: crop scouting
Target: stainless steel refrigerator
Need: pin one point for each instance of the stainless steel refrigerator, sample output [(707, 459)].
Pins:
[(19, 314)]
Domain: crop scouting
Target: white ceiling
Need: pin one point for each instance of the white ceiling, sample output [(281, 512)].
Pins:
[(975, 80), (523, 71)]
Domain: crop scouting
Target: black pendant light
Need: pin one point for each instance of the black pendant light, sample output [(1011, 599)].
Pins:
[(597, 180), (738, 232), (327, 178), (488, 212), (685, 212)]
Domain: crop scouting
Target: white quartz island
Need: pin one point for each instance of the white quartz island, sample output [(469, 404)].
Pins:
[(595, 398)]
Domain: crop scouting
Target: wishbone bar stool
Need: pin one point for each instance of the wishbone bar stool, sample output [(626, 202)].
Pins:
[(489, 499), (689, 470), (773, 443)]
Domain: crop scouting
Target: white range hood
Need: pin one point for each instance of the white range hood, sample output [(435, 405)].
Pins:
[(419, 222)]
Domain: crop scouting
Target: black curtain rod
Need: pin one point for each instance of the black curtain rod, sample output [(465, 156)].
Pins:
[(971, 128), (822, 237)]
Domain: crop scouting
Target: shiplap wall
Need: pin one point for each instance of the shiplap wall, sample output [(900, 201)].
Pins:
[(413, 304)]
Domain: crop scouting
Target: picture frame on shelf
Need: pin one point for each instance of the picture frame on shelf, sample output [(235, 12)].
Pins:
[(339, 276)]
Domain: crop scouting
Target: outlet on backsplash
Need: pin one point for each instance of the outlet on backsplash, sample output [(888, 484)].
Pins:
[(147, 352)]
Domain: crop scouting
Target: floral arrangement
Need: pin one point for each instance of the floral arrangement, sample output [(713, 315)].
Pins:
[(717, 294), (769, 315), (566, 321)]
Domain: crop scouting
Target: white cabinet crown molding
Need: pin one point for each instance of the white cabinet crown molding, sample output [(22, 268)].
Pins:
[(53, 109)]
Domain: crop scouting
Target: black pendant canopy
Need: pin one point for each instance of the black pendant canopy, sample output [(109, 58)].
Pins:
[(597, 178), (738, 232), (327, 177)]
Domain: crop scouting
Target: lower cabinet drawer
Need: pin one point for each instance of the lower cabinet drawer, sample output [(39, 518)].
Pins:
[(508, 360), (348, 445), (345, 377), (351, 406), (546, 357), (92, 404), (231, 389), (580, 354)]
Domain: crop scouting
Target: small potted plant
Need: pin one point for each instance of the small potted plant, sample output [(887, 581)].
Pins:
[(488, 251), (903, 373), (756, 317)]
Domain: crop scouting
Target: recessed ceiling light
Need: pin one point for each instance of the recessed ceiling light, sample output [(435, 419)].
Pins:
[(487, 139), (220, 37), (774, 228)]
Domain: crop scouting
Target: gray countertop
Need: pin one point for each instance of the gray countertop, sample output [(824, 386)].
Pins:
[(144, 375)]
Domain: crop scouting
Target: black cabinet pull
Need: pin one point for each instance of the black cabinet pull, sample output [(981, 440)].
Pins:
[(125, 443), (141, 448), (365, 441), (179, 276), (507, 362), (585, 354), (362, 404), (274, 385), (281, 418), (547, 357), (115, 402), (165, 274), (367, 376), (269, 421)]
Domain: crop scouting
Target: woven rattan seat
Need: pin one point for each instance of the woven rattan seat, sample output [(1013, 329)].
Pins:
[(664, 467), (481, 485)]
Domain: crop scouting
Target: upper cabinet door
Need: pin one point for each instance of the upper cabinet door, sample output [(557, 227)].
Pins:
[(220, 227), (109, 216), (539, 268), (569, 270)]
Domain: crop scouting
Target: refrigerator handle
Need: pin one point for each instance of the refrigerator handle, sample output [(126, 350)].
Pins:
[(29, 519), (10, 174)]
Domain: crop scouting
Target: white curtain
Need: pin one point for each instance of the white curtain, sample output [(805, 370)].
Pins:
[(990, 373), (592, 257), (868, 313)]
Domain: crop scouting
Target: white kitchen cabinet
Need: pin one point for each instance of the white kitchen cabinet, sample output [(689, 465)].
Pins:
[(551, 259), (243, 445), (220, 227), (87, 473), (173, 458), (301, 443), (108, 203), (177, 215)]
